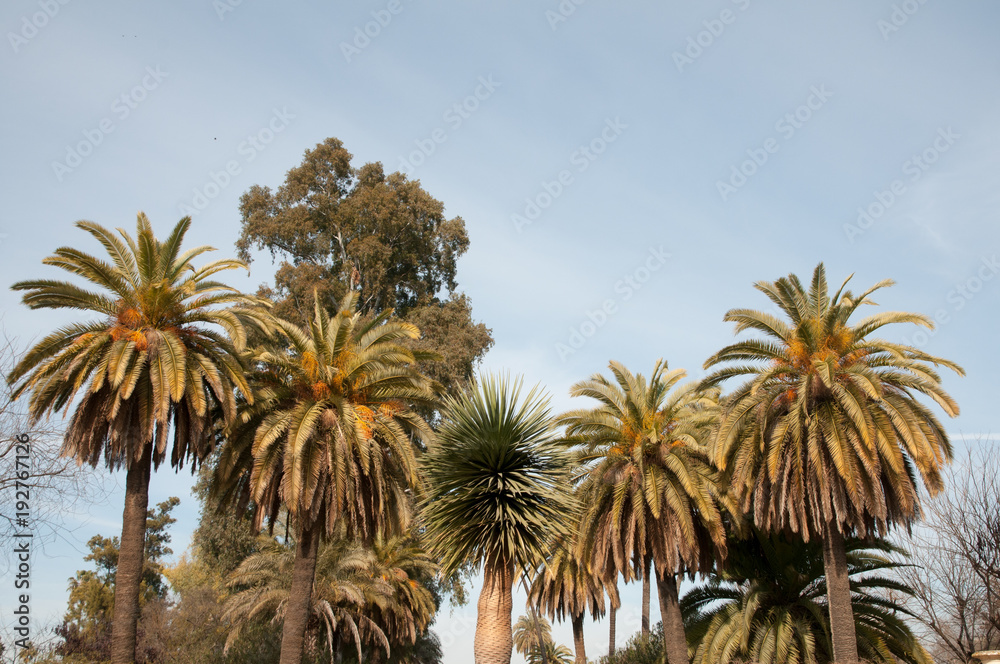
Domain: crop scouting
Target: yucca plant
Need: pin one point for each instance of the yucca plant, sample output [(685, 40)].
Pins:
[(159, 349), (828, 436), (497, 495)]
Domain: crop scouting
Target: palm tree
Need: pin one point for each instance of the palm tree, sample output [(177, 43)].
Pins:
[(647, 485), (768, 605), (497, 494), (401, 562), (567, 586), (329, 438), (533, 639), (827, 436), (531, 632), (344, 588), (148, 361)]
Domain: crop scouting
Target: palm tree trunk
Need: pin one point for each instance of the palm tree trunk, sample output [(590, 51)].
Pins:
[(540, 640), (838, 591), (674, 640), (130, 560), (293, 633), (647, 564), (611, 636), (494, 641), (578, 643)]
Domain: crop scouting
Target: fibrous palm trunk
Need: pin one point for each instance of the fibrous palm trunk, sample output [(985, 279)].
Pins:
[(130, 560), (674, 640), (647, 564), (494, 641), (838, 589), (611, 636), (578, 643), (293, 633)]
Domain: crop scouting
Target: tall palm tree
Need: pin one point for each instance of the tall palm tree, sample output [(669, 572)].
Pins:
[(827, 437), (147, 361), (768, 605), (329, 438), (647, 486), (497, 494), (567, 586)]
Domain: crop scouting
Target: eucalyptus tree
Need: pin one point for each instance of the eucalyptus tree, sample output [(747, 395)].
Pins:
[(497, 482), (828, 436), (156, 347), (647, 487)]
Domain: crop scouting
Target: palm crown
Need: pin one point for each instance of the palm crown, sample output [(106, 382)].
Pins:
[(828, 427), (148, 356), (645, 477), (330, 433)]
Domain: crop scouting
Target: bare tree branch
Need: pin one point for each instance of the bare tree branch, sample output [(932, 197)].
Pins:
[(957, 556), (52, 487)]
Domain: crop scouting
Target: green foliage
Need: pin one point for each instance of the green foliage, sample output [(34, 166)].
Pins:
[(86, 626), (225, 535), (497, 479), (336, 228), (639, 650), (382, 233), (768, 605)]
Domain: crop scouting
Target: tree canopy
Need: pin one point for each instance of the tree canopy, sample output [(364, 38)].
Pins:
[(333, 227)]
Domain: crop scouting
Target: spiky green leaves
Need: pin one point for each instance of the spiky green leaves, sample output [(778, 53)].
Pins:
[(497, 479)]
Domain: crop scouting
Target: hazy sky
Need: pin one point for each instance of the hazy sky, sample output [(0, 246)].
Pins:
[(626, 170)]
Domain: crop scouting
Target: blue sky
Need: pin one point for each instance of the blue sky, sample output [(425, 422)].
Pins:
[(626, 171)]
